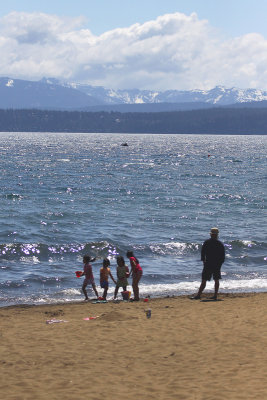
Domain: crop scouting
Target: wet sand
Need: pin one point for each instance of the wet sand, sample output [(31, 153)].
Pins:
[(188, 349)]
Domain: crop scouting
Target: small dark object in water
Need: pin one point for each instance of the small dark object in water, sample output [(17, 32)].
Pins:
[(124, 144)]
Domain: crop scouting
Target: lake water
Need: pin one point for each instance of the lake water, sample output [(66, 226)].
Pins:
[(66, 195)]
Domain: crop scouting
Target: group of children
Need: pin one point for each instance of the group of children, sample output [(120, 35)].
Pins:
[(123, 274)]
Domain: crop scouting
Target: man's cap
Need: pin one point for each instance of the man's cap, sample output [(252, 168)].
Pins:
[(214, 231)]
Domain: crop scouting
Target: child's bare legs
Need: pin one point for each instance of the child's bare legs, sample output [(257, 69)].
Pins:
[(84, 290), (136, 279), (94, 288), (105, 293), (116, 292)]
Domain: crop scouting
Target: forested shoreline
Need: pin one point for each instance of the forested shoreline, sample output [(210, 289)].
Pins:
[(243, 121)]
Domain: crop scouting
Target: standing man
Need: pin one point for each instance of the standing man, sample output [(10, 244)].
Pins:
[(213, 256)]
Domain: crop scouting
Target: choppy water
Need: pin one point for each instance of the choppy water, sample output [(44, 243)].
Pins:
[(65, 195)]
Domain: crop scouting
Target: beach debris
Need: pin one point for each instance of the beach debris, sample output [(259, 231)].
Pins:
[(148, 312), (89, 318), (99, 301), (55, 321)]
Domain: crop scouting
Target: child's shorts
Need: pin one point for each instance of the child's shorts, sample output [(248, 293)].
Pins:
[(104, 284)]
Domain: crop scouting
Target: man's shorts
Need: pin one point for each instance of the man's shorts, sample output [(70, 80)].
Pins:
[(104, 284), (211, 271)]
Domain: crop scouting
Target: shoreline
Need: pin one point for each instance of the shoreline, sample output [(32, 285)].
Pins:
[(205, 295), (190, 350)]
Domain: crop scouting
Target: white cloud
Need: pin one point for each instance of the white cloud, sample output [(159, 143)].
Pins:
[(174, 51)]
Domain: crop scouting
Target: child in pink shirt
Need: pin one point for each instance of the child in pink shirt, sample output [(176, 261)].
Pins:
[(89, 277)]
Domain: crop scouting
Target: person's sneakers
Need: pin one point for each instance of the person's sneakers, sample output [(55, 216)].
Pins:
[(197, 297)]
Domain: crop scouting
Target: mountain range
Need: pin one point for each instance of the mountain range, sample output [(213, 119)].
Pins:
[(52, 94)]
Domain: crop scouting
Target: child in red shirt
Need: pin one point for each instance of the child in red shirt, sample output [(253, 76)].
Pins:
[(136, 272)]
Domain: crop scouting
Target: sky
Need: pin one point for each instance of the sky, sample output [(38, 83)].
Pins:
[(144, 44)]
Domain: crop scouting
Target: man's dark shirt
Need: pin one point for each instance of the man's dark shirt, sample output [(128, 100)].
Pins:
[(213, 252)]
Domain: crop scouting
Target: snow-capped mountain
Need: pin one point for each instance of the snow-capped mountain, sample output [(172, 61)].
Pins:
[(54, 94), (44, 94), (219, 95), (112, 96)]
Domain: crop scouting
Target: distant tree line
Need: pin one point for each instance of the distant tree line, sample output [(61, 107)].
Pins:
[(239, 121)]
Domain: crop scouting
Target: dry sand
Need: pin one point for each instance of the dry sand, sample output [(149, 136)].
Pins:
[(187, 350)]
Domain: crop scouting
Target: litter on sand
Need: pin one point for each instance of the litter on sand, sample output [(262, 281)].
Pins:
[(89, 318), (55, 321), (99, 301)]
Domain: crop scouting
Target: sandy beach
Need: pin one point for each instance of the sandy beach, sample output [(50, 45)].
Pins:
[(188, 349)]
